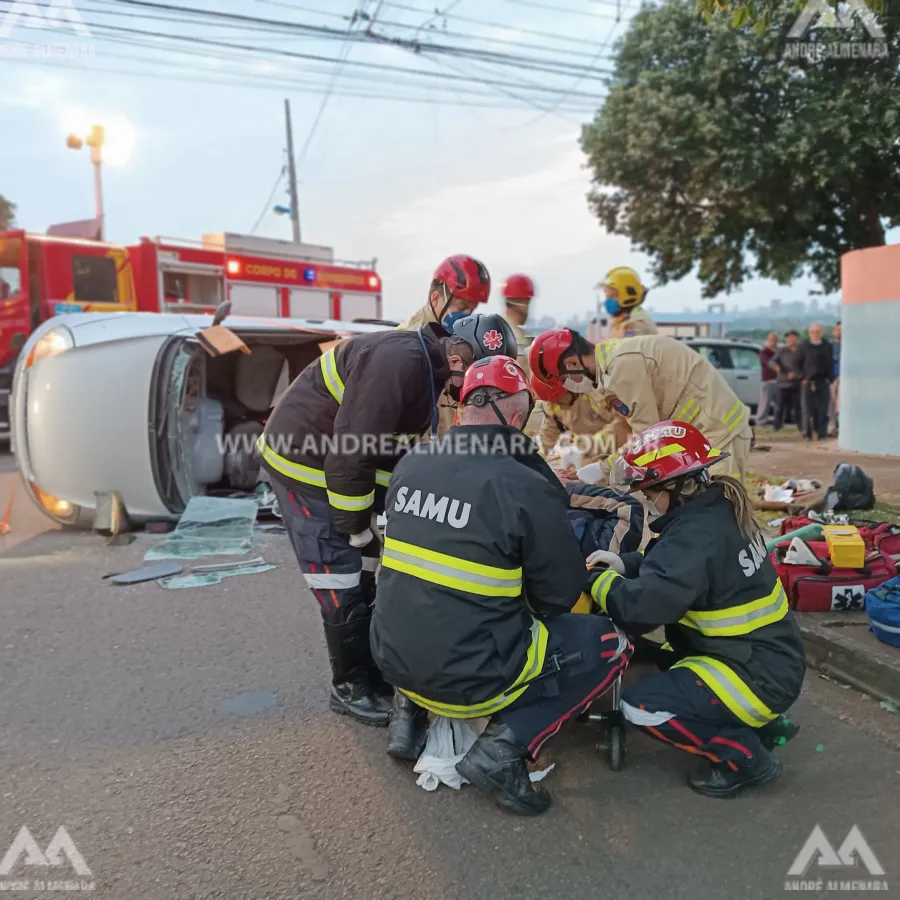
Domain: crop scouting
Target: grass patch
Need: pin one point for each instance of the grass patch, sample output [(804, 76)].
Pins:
[(881, 512)]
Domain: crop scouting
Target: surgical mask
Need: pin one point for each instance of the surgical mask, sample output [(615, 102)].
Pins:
[(451, 319), (578, 387), (612, 306), (653, 512)]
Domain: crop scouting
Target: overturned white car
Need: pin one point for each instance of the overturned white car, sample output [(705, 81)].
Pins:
[(135, 403)]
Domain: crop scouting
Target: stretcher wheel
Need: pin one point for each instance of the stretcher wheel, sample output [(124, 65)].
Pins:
[(615, 747)]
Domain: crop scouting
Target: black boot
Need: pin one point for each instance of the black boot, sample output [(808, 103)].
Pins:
[(408, 729), (353, 692), (778, 733), (496, 764), (719, 780)]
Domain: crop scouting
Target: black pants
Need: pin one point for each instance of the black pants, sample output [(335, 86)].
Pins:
[(676, 707), (816, 399), (787, 404), (547, 704), (340, 577)]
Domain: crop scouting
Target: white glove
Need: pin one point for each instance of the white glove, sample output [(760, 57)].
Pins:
[(612, 560), (592, 473), (362, 539)]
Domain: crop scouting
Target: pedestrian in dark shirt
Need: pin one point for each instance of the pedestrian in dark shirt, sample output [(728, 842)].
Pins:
[(818, 373), (787, 364)]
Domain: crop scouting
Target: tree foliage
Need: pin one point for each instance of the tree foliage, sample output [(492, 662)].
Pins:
[(7, 213), (713, 150), (758, 13)]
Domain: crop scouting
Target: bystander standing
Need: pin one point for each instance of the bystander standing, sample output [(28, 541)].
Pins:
[(818, 374), (768, 381), (787, 364)]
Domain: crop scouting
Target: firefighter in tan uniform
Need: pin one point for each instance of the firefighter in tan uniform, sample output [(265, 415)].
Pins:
[(624, 296), (654, 378), (518, 292), (581, 413), (459, 284), (586, 417)]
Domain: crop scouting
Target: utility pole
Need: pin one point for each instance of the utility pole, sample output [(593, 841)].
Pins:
[(292, 174)]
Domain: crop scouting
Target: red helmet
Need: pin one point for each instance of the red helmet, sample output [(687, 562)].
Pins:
[(518, 287), (464, 277), (491, 378), (548, 391), (666, 451), (546, 353)]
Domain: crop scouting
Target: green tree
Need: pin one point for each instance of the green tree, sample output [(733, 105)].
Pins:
[(713, 150), (758, 13), (7, 213)]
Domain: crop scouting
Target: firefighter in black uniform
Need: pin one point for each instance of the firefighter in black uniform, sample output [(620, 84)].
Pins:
[(330, 446), (737, 658), (480, 573)]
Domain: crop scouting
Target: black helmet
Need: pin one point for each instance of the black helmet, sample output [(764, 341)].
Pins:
[(487, 335)]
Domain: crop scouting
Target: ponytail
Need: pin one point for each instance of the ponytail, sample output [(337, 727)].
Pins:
[(736, 493)]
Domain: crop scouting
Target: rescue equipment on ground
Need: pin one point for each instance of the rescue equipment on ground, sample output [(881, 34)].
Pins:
[(826, 587), (846, 547), (884, 536), (883, 609), (852, 489)]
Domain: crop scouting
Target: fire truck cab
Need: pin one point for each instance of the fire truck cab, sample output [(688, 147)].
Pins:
[(43, 276)]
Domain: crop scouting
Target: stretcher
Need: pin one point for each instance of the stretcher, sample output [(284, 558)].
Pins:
[(615, 743)]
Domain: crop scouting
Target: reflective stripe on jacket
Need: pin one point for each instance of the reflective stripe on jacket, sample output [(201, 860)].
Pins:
[(659, 378), (718, 596), (475, 524), (341, 424)]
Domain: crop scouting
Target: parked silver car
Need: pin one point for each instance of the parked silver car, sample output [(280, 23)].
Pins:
[(737, 360)]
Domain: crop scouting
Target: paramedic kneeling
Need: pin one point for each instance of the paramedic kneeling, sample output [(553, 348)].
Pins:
[(476, 523), (738, 656)]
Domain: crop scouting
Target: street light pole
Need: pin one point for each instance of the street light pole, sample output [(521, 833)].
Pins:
[(97, 160), (95, 139)]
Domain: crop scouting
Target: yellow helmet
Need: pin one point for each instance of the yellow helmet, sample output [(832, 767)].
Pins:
[(627, 285)]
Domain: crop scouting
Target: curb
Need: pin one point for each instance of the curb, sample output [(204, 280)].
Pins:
[(871, 669)]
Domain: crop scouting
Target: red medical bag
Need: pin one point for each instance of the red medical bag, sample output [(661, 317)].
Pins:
[(826, 588)]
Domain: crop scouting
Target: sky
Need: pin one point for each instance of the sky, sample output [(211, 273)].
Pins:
[(402, 169)]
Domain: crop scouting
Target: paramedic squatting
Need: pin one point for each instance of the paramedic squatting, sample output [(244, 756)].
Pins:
[(737, 658), (452, 629)]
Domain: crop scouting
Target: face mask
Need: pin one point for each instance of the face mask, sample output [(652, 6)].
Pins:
[(612, 306), (451, 319), (578, 387), (653, 512)]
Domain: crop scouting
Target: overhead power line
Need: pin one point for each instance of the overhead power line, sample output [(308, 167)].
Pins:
[(509, 59), (120, 34), (268, 202), (342, 58)]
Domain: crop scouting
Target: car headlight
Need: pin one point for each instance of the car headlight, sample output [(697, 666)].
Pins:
[(51, 344), (61, 510)]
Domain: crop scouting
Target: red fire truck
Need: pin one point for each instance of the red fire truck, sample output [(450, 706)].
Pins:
[(43, 276)]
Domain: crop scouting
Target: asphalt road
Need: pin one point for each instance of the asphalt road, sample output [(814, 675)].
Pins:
[(116, 722)]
